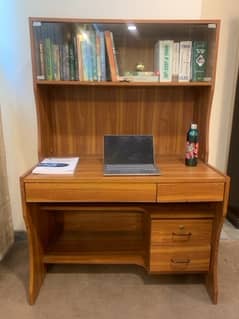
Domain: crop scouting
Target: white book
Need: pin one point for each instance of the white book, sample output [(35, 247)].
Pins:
[(56, 165), (166, 60), (185, 61), (175, 61)]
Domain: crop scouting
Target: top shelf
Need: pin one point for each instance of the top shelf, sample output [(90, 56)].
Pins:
[(124, 52)]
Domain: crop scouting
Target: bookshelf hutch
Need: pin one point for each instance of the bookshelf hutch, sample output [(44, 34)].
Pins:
[(168, 224)]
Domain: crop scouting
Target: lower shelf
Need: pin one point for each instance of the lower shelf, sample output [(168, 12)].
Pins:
[(96, 248)]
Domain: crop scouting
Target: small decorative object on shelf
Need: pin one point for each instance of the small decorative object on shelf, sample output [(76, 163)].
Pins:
[(192, 146), (139, 67)]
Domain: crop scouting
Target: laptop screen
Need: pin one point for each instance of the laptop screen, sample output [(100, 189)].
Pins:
[(128, 149)]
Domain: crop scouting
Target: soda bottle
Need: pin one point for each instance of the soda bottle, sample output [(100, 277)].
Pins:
[(192, 145)]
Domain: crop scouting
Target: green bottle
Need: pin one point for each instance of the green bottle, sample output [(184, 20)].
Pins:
[(191, 158)]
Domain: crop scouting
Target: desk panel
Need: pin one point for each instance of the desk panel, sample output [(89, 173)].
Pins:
[(90, 192)]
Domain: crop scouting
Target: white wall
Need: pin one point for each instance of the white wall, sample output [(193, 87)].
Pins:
[(16, 93), (227, 69)]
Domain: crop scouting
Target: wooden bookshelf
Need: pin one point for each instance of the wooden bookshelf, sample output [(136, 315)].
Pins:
[(90, 218)]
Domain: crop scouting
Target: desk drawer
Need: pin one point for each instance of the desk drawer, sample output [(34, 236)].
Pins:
[(179, 259), (190, 192), (90, 192), (181, 231)]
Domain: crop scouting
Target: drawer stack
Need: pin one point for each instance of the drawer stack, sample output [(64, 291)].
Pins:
[(180, 245)]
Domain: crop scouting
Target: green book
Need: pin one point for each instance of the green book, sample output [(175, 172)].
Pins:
[(199, 60), (48, 59)]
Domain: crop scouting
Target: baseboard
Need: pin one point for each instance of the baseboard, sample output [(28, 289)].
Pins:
[(20, 235)]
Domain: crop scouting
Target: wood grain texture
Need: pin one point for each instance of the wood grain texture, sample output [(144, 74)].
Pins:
[(190, 192), (179, 259), (90, 192), (180, 231)]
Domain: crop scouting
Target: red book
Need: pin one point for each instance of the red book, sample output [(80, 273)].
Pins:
[(111, 56)]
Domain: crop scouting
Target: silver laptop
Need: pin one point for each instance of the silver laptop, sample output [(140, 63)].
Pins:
[(129, 155)]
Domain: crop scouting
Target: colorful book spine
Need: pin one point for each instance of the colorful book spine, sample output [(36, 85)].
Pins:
[(98, 55), (102, 56), (199, 60), (166, 60), (93, 54), (184, 74), (79, 56), (110, 55)]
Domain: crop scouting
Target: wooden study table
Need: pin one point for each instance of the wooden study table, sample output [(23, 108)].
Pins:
[(168, 224)]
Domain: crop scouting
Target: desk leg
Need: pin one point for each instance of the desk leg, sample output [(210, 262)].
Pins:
[(37, 268), (211, 277)]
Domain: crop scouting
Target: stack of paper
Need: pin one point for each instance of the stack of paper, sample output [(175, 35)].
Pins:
[(56, 165)]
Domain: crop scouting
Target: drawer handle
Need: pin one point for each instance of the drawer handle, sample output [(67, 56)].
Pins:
[(180, 261), (182, 234)]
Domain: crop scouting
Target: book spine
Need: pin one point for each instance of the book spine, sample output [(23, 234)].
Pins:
[(114, 55), (93, 54), (56, 62), (65, 62), (157, 58), (166, 59), (175, 61), (48, 59), (41, 49), (199, 60), (185, 61), (88, 56), (76, 67), (38, 49), (71, 61), (110, 55), (79, 56), (84, 59), (98, 55), (102, 56)]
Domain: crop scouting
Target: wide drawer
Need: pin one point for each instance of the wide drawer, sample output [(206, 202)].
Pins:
[(181, 231), (179, 259), (89, 192), (190, 192)]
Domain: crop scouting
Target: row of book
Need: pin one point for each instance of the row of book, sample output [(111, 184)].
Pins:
[(182, 61), (83, 52), (74, 52)]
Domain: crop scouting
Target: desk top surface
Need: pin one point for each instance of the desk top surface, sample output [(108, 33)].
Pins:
[(90, 170)]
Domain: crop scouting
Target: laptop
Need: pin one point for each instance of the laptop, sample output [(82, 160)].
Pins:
[(129, 155)]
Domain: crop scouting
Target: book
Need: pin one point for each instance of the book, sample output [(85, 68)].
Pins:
[(175, 67), (184, 73), (111, 56), (199, 60), (157, 58), (102, 57), (165, 60), (56, 165), (139, 78), (38, 46)]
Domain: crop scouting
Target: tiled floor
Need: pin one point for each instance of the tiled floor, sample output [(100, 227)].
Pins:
[(229, 231)]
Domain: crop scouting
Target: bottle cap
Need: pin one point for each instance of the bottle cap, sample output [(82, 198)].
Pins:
[(194, 126)]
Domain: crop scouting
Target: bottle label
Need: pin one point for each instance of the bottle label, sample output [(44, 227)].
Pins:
[(191, 150)]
